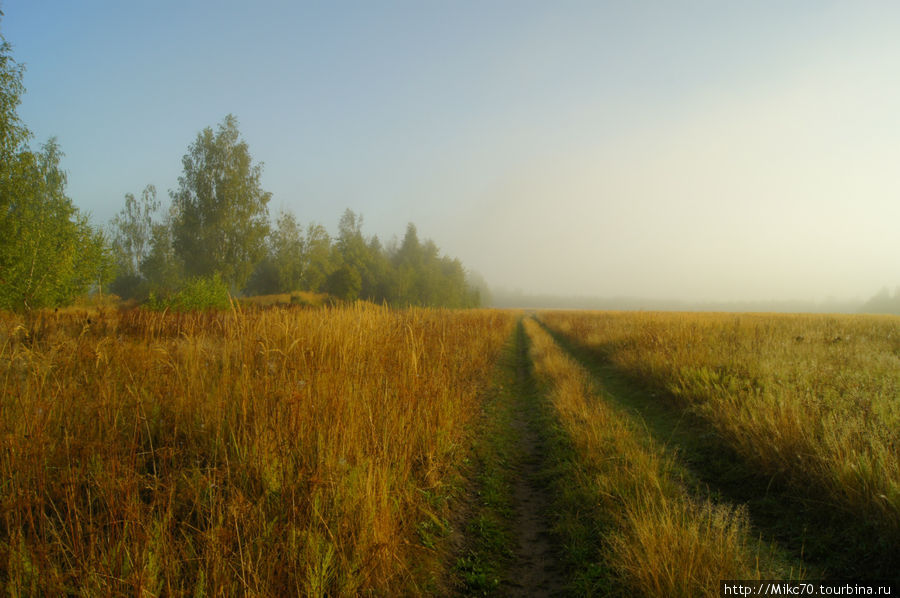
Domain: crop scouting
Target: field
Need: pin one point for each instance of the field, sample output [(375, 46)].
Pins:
[(278, 452), (281, 450), (777, 427), (812, 400)]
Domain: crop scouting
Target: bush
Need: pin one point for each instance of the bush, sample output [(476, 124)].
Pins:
[(344, 283), (130, 286), (205, 292)]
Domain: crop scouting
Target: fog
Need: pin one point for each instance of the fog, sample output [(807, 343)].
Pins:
[(694, 152)]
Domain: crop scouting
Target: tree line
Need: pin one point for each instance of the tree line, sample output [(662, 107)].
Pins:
[(218, 226), (216, 230), (883, 303)]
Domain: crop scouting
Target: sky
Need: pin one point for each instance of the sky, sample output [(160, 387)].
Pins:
[(695, 150)]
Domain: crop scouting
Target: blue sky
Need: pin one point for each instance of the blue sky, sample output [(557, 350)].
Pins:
[(696, 150)]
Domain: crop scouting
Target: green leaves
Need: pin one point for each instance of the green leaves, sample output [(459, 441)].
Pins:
[(13, 133), (288, 251), (205, 292), (49, 254), (221, 218), (131, 244)]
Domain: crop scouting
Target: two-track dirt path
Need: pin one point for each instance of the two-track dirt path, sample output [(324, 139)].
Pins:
[(535, 569), (507, 546)]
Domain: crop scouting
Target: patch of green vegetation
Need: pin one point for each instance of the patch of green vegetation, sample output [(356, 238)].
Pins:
[(579, 527), (431, 529), (479, 577), (204, 292), (487, 547)]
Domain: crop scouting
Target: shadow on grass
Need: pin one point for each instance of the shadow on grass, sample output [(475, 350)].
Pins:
[(827, 538)]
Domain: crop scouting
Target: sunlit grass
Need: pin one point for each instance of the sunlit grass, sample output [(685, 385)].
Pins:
[(282, 452), (812, 399), (658, 539)]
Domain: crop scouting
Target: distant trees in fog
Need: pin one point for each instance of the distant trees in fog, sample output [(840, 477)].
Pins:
[(216, 233), (220, 216), (218, 225), (883, 303)]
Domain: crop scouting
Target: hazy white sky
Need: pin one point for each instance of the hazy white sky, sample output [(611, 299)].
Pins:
[(697, 150)]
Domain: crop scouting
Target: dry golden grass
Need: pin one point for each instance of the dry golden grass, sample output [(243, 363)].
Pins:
[(297, 298), (812, 398), (661, 541), (277, 452)]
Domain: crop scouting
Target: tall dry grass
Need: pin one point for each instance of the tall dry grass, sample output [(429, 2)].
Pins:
[(283, 452), (659, 540), (812, 398)]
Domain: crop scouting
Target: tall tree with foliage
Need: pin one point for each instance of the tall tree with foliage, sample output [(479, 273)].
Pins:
[(407, 261), (380, 280), (49, 253), (13, 161), (318, 260), (13, 133), (221, 217), (350, 242), (161, 267), (281, 270), (288, 251), (352, 258)]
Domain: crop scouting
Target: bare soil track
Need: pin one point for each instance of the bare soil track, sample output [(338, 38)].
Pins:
[(507, 546), (535, 570)]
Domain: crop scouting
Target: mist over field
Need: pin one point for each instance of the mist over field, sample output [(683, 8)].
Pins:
[(680, 154)]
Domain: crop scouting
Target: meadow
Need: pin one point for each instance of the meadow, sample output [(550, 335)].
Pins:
[(808, 402), (258, 452), (277, 449), (660, 537)]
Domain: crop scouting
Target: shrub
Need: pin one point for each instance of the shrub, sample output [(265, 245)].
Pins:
[(205, 292)]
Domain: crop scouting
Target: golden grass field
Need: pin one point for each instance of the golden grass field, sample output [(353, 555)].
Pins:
[(814, 399), (270, 453), (660, 540), (271, 450)]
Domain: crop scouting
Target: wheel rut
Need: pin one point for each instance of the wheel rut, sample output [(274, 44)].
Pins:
[(827, 543), (535, 568)]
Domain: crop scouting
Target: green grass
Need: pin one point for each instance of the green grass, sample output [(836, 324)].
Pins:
[(487, 546), (576, 522)]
